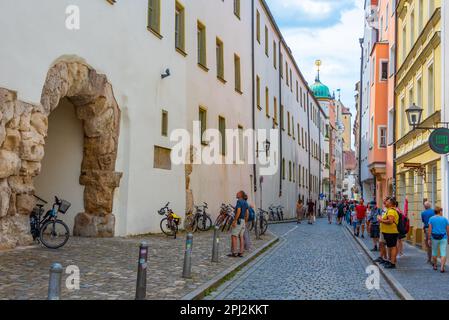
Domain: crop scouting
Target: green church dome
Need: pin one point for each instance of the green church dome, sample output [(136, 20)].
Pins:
[(320, 91)]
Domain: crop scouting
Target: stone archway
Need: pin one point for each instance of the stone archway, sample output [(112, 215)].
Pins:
[(23, 128)]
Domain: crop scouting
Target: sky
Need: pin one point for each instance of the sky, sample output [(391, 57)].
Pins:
[(328, 30)]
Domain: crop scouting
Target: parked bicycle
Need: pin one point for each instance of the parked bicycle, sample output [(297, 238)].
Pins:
[(200, 220), (48, 229), (230, 214), (169, 224), (261, 220), (280, 212), (273, 216), (224, 211)]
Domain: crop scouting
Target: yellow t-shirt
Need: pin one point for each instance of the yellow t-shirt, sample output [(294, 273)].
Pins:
[(390, 228)]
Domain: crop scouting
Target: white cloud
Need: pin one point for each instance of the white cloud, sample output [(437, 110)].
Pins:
[(338, 48)]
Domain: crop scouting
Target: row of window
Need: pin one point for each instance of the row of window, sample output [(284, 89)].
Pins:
[(300, 175)]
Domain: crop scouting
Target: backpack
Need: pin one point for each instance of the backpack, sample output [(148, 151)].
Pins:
[(251, 214), (403, 224)]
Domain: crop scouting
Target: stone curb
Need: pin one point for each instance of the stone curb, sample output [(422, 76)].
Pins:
[(200, 292), (394, 283)]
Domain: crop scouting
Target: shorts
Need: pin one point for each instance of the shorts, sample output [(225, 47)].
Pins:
[(375, 231), (360, 221), (239, 230), (439, 244), (391, 239)]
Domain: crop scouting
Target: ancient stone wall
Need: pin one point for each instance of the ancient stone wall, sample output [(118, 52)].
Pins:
[(23, 128)]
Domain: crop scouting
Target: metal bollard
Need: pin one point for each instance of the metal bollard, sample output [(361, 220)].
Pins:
[(141, 286), (54, 284), (187, 269), (215, 245)]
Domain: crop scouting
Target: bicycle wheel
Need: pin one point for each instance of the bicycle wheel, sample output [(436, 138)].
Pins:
[(204, 222), (263, 226), (190, 223), (54, 234), (225, 224), (219, 220), (168, 228)]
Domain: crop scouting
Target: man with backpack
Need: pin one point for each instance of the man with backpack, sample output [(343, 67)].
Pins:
[(238, 225), (373, 225), (390, 227), (403, 228)]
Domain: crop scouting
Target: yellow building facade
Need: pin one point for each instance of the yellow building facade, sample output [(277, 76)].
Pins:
[(418, 62)]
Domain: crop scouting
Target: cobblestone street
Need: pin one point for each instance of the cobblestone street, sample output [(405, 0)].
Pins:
[(310, 263), (108, 267)]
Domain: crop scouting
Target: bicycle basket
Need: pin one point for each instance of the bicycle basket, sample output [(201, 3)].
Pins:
[(64, 206)]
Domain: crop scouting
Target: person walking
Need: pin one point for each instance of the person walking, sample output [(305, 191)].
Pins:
[(425, 217), (310, 211), (388, 227), (438, 239), (349, 212), (361, 218), (341, 212), (330, 212), (238, 225), (300, 211), (373, 226)]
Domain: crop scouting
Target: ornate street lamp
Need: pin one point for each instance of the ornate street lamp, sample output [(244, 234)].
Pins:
[(414, 116)]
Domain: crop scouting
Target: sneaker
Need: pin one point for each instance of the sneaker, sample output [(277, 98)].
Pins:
[(363, 236), (374, 249), (379, 260), (389, 265)]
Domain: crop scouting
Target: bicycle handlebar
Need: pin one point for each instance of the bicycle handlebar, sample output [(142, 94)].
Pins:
[(40, 199)]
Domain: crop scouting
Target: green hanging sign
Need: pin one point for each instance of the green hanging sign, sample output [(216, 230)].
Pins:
[(439, 141)]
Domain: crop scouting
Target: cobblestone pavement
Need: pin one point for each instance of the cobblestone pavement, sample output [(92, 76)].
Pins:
[(417, 276), (320, 262), (108, 267)]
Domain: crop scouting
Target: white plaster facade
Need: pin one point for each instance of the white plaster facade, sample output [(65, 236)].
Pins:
[(114, 40), (445, 99)]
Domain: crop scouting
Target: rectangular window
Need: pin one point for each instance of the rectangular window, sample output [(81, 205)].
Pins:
[(412, 28), (382, 137), (391, 126), (404, 43), (164, 123), (258, 26), (275, 112), (286, 73), (162, 158), (283, 169), (384, 71), (421, 15), (258, 92), (297, 92), (371, 133), (237, 8), (201, 32), (293, 128), (180, 27), (266, 41), (299, 134), (154, 14), (241, 144), (431, 90), (238, 76), (288, 123), (291, 81), (222, 130), (282, 118), (202, 117), (275, 54), (401, 119), (392, 60), (299, 176), (419, 92), (267, 102), (281, 64), (290, 171), (220, 59)]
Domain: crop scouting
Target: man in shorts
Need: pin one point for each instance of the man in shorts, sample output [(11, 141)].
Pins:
[(388, 227), (361, 218), (373, 225), (238, 225)]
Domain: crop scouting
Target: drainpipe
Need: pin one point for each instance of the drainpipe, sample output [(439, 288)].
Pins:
[(360, 116), (395, 170), (308, 142), (281, 117), (253, 66)]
